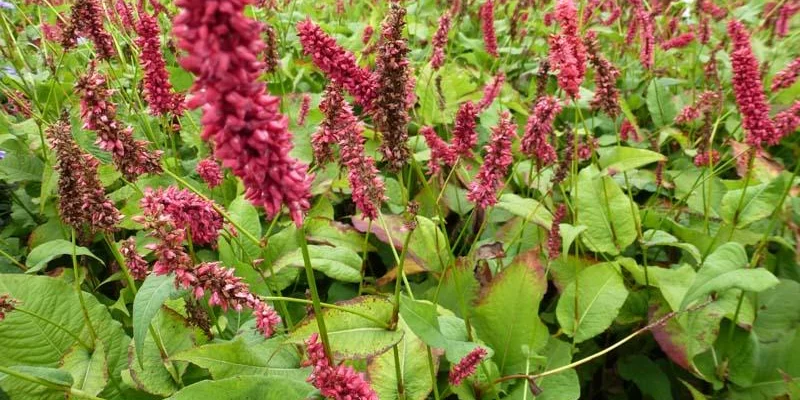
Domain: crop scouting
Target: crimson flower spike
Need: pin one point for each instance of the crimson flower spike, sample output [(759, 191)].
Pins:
[(250, 135)]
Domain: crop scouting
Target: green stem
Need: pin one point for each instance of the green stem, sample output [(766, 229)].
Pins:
[(78, 280), (13, 260), (398, 371), (312, 285)]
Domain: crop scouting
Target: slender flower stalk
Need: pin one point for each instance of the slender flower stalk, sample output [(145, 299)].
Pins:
[(87, 19), (748, 89), (567, 52), (250, 135), (467, 366), (99, 114), (391, 103), (339, 382), (83, 204), (337, 63), (786, 77), (439, 41), (483, 191), (210, 172), (186, 211), (491, 91), (157, 88), (536, 140)]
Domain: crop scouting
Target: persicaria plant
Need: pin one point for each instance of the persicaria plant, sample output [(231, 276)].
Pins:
[(416, 200)]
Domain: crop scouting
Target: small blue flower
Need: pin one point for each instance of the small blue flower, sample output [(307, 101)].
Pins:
[(7, 6), (2, 154)]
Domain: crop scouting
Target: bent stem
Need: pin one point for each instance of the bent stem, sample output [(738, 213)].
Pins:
[(312, 285), (601, 353), (325, 305)]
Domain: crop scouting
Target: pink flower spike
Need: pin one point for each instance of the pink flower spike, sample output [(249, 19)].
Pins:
[(335, 382), (487, 26), (136, 264), (491, 91), (465, 135), (748, 88), (440, 151), (467, 366), (786, 77), (536, 140), (678, 42), (210, 172), (483, 190), (439, 41), (157, 87), (186, 210)]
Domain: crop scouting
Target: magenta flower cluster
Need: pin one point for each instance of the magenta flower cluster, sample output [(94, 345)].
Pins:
[(748, 88), (250, 135), (210, 172), (339, 382), (157, 88), (186, 211), (567, 52), (536, 140), (487, 26), (7, 305), (439, 41), (483, 190), (467, 366)]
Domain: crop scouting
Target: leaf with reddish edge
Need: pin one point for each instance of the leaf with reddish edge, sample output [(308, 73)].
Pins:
[(507, 313), (427, 246)]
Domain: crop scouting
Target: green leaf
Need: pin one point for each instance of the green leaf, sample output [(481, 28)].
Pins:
[(324, 231), (528, 209), (563, 385), (157, 373), (19, 388), (660, 238), (421, 318), (659, 103), (507, 315), (237, 357), (606, 211), (88, 368), (757, 202), (701, 192), (590, 303), (456, 84), (414, 369), (245, 214), (620, 158), (726, 268), (155, 290), (427, 246), (351, 335), (340, 263), (43, 335), (44, 253), (16, 167), (568, 235), (247, 387), (647, 375)]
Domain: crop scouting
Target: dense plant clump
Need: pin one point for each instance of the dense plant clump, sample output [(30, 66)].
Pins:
[(364, 200)]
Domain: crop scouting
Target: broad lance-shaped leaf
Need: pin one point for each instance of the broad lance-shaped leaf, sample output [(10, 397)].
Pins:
[(416, 378), (506, 316), (608, 214), (421, 317), (42, 254), (526, 208), (88, 368), (660, 238), (24, 389), (659, 103), (747, 205), (339, 263), (44, 334), (351, 335), (726, 268), (156, 372), (155, 290), (427, 245), (620, 158), (247, 387), (228, 359), (245, 215), (591, 302)]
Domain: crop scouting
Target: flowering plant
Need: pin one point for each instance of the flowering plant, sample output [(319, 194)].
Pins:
[(361, 200)]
